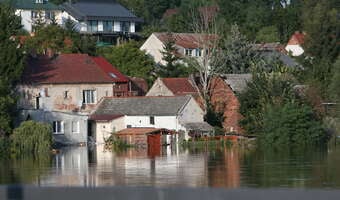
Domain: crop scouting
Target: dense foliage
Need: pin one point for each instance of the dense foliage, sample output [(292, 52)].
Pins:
[(31, 138), (11, 59), (130, 60), (291, 124)]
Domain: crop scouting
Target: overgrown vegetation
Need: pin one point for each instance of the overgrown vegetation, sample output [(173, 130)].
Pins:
[(114, 143), (31, 138)]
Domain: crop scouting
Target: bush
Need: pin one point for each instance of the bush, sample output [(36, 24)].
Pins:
[(289, 124), (4, 146), (31, 138)]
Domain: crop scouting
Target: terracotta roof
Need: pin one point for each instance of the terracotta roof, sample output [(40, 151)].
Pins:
[(68, 69), (297, 38), (105, 118), (110, 70), (186, 40), (140, 131), (179, 86)]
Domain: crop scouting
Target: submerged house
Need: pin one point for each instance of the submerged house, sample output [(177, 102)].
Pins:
[(64, 90), (106, 19), (223, 91), (294, 45), (172, 113)]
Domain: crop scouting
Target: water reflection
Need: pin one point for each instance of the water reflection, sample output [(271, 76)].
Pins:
[(194, 167)]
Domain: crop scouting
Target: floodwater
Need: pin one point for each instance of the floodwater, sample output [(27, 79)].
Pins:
[(227, 167)]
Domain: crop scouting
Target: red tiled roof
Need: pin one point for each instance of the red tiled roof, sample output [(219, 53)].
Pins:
[(68, 69), (104, 117), (109, 69), (141, 131), (179, 86), (187, 40), (297, 38)]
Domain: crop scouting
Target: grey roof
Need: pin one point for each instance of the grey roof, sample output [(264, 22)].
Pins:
[(138, 106), (202, 126), (285, 59), (99, 10), (237, 82)]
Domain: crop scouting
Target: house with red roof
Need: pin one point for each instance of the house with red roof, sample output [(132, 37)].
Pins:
[(172, 87), (65, 89), (186, 44), (294, 45)]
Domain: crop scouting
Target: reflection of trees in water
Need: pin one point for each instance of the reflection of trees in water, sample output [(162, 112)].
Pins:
[(26, 169), (284, 167)]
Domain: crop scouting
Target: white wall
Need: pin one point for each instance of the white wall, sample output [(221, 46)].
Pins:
[(27, 21), (296, 50), (116, 26), (159, 89), (192, 112), (132, 27), (153, 47), (103, 130)]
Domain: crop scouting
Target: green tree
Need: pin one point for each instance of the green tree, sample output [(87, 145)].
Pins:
[(322, 39), (335, 82), (238, 53), (267, 34), (130, 60), (11, 67), (291, 124), (31, 138)]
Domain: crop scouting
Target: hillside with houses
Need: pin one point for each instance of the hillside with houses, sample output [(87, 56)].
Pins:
[(92, 70)]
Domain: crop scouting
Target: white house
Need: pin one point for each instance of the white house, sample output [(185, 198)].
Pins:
[(294, 45), (186, 44), (175, 113), (31, 11), (106, 19)]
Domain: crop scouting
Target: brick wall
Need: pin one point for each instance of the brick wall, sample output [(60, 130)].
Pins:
[(224, 100)]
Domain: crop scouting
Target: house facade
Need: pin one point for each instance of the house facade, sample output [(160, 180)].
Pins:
[(223, 95), (105, 19), (294, 45), (186, 44), (64, 90), (171, 113), (32, 11)]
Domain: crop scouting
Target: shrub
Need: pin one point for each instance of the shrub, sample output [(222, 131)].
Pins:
[(289, 124), (31, 138)]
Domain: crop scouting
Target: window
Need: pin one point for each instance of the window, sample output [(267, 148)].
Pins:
[(39, 1), (125, 26), (107, 26), (37, 103), (34, 14), (89, 96), (58, 127), (75, 127), (152, 120), (92, 26), (188, 52), (49, 15), (198, 53), (65, 94)]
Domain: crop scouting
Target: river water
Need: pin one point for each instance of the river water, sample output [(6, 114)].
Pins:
[(226, 167)]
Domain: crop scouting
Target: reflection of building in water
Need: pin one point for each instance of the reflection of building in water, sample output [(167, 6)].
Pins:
[(78, 167), (70, 168), (226, 172)]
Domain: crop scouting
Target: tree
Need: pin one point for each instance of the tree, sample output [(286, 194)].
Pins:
[(335, 82), (273, 87), (322, 39), (173, 67), (238, 54), (130, 60), (268, 34), (31, 138), (11, 66), (291, 124)]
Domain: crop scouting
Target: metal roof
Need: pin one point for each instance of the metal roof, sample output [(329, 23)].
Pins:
[(31, 5), (99, 10), (142, 106)]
